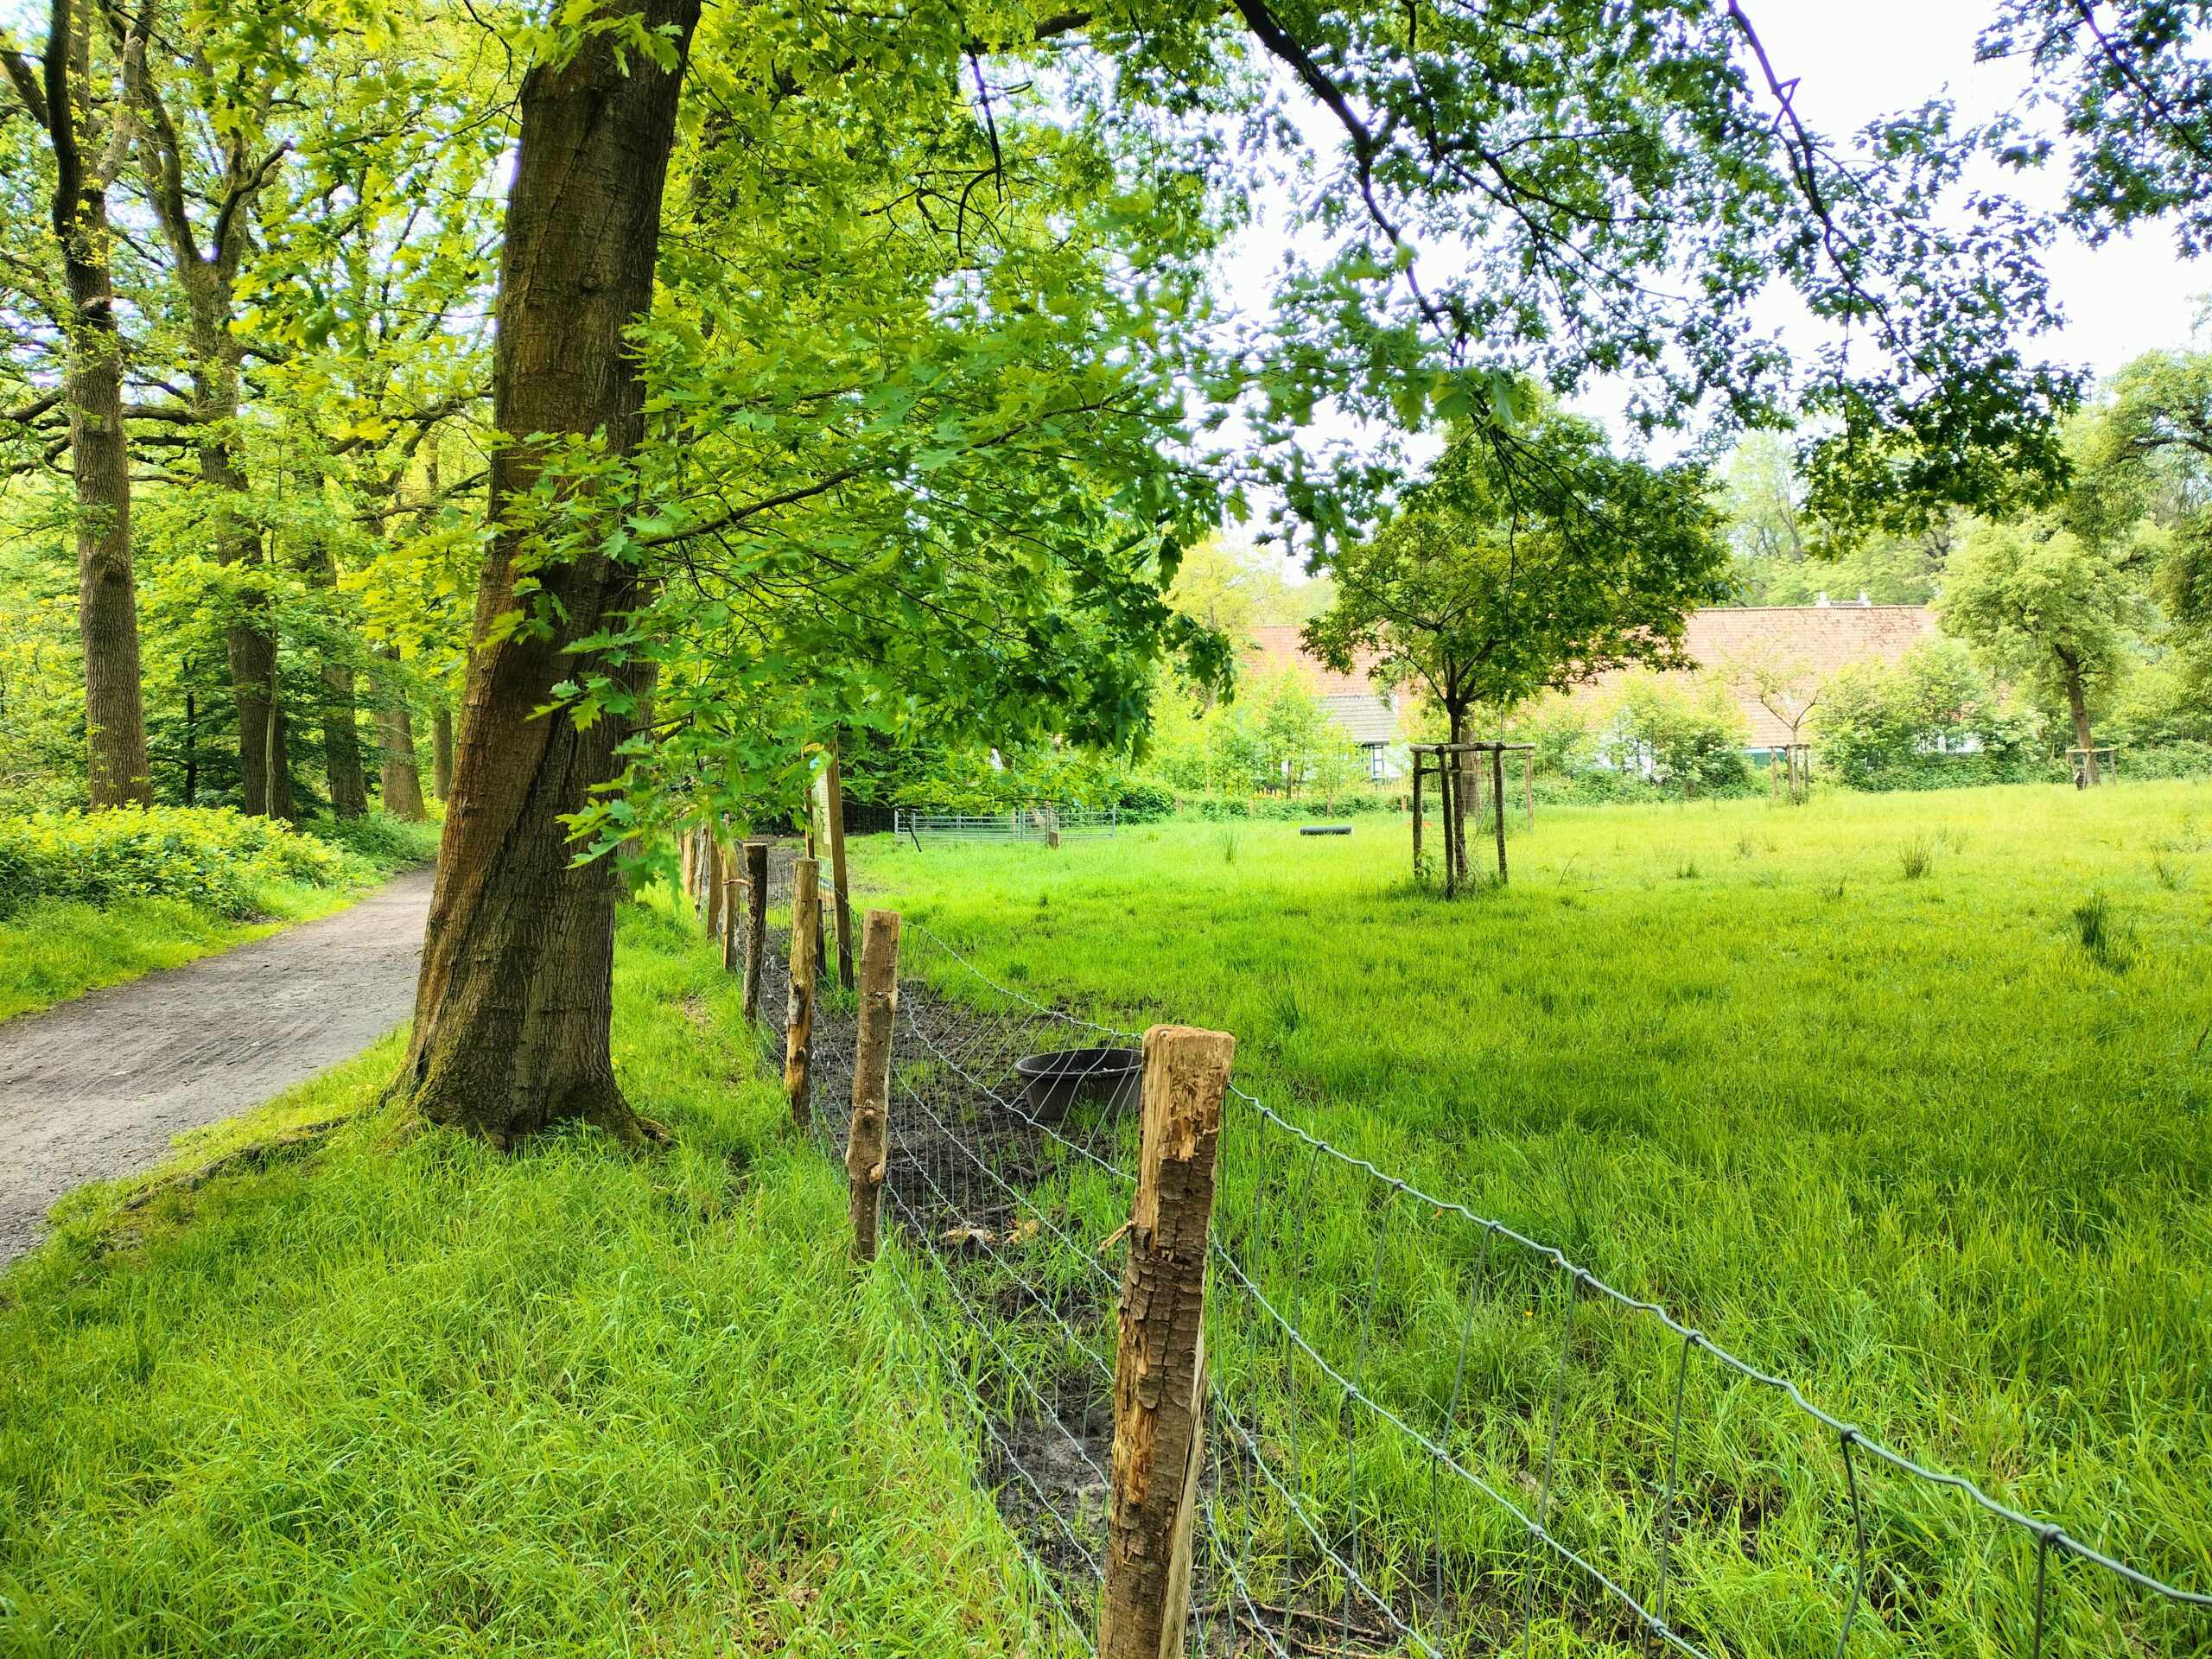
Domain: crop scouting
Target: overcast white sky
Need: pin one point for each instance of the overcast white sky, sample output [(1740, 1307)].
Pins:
[(1863, 59)]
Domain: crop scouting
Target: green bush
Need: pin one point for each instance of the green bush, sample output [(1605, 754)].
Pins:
[(1146, 803), (1931, 721), (215, 858), (1687, 738), (379, 837)]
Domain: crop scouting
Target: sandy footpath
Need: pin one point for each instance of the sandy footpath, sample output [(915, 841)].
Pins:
[(96, 1088)]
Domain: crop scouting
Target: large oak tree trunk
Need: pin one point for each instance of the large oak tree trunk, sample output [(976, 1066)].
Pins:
[(512, 1008)]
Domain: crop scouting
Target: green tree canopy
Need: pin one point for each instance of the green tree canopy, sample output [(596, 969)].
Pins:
[(1489, 586)]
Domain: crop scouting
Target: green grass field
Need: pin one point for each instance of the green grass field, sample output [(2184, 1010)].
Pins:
[(1933, 1144), (403, 1394), (1901, 1097)]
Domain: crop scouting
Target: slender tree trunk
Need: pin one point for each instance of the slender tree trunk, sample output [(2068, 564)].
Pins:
[(2077, 705), (442, 752), (341, 731), (1462, 776), (191, 750), (400, 773), (342, 744), (99, 456), (107, 600), (252, 661), (514, 1001), (276, 748)]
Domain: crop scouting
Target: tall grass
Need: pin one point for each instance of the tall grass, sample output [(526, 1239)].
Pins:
[(1912, 1143), (403, 1395)]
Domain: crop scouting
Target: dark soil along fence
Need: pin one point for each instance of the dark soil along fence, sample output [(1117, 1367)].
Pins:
[(1425, 1434)]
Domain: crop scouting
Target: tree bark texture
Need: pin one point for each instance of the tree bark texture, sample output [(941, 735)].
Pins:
[(442, 752), (399, 773), (799, 1018), (2077, 705), (833, 801), (864, 1143), (207, 276), (515, 999), (342, 744), (756, 924), (341, 733), (1159, 1356), (99, 459)]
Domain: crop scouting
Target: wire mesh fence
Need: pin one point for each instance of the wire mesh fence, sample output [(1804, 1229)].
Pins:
[(1429, 1433)]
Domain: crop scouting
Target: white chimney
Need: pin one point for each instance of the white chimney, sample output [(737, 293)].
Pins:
[(1821, 601)]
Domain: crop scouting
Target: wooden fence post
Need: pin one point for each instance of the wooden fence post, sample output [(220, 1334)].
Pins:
[(714, 892), (685, 847), (1160, 1367), (833, 789), (756, 924), (798, 1023), (864, 1145), (1497, 805), (733, 884)]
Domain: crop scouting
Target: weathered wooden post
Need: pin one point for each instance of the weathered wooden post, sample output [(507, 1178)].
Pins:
[(1416, 759), (1159, 1366), (713, 883), (864, 1145), (833, 789), (686, 848), (1498, 804), (756, 924), (733, 884), (798, 1022)]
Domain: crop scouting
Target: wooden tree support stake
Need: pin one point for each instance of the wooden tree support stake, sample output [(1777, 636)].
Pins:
[(1159, 1369), (798, 1024), (833, 811), (1497, 806), (756, 924), (864, 1145), (733, 884)]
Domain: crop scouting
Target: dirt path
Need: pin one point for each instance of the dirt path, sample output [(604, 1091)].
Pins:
[(96, 1088)]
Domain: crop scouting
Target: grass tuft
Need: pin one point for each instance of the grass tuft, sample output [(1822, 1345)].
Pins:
[(1916, 854)]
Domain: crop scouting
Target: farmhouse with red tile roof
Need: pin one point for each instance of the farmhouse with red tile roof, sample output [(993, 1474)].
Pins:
[(1807, 643)]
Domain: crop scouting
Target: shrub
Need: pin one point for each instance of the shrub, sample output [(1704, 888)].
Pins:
[(215, 858), (379, 837), (1143, 802), (1933, 721), (1688, 739)]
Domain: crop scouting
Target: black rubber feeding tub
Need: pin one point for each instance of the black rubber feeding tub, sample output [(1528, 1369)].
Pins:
[(1053, 1083)]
